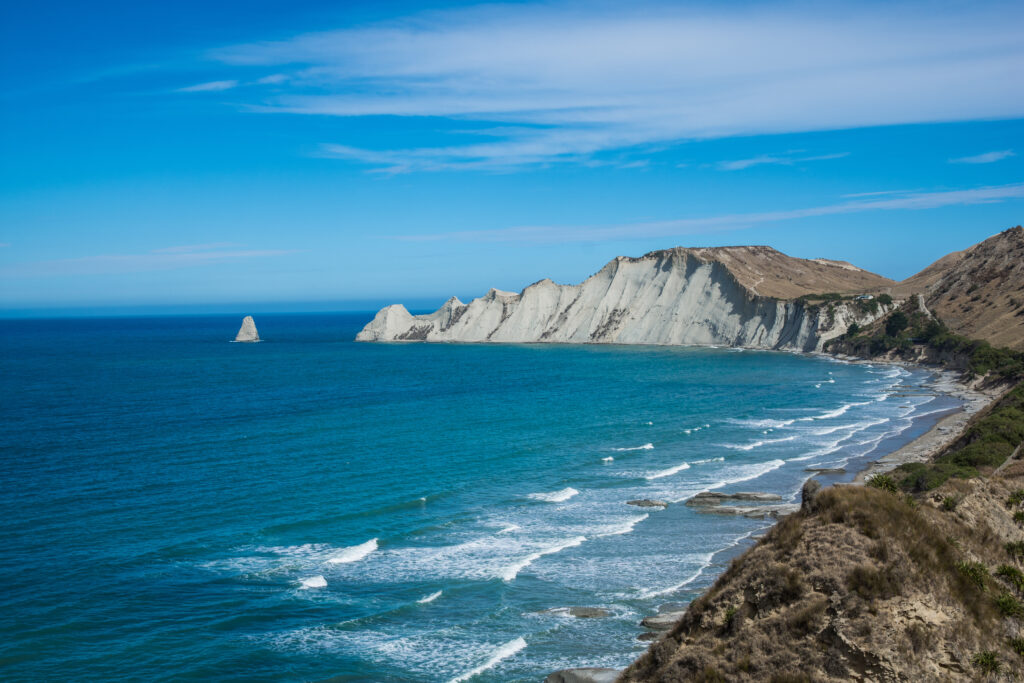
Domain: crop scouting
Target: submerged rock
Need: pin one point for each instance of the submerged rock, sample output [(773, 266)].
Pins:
[(716, 498), (584, 675), (663, 621), (752, 511), (578, 612), (247, 333), (647, 503), (826, 470)]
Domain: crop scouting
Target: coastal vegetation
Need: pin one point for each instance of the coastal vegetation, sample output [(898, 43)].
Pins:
[(984, 446), (908, 332), (866, 582)]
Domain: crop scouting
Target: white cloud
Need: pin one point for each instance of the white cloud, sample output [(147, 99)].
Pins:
[(986, 158), (272, 79), (696, 226), (212, 86), (784, 160), (167, 258), (564, 82)]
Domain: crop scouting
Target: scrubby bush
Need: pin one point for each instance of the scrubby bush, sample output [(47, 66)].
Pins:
[(986, 661), (1017, 645), (1009, 606), (1015, 549), (1015, 499), (1013, 575), (870, 583), (896, 323), (884, 299), (975, 572), (949, 503), (883, 482)]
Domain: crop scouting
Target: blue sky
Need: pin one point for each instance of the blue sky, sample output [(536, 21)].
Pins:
[(313, 154)]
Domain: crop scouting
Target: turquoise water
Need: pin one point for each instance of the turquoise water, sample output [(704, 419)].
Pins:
[(179, 507)]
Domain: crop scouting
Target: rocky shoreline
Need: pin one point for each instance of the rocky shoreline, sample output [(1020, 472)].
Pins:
[(922, 448)]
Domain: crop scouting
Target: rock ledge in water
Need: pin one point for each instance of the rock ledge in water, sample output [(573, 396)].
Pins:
[(247, 333), (584, 675), (716, 498), (647, 503), (579, 612)]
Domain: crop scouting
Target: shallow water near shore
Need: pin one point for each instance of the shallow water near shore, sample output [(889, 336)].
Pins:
[(180, 507)]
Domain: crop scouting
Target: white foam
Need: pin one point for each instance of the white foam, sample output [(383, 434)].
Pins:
[(763, 424), (645, 447), (512, 571), (510, 528), (503, 652), (608, 459), (746, 474), (555, 496), (669, 472), (317, 581), (620, 529), (757, 444), (706, 561), (687, 581), (429, 598), (701, 462), (354, 553), (817, 386), (834, 413)]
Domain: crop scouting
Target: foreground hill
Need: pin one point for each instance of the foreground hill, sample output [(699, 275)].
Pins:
[(735, 296), (874, 583), (978, 292)]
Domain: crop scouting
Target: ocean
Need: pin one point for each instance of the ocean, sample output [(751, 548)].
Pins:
[(179, 507)]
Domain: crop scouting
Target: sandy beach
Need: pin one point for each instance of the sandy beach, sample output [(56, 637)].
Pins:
[(943, 433)]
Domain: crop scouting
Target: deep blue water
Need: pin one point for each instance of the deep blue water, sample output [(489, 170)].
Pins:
[(177, 507)]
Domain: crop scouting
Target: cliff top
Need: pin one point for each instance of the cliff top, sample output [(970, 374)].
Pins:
[(768, 272)]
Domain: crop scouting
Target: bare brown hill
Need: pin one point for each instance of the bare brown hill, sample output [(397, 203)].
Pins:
[(978, 292), (768, 272), (863, 585)]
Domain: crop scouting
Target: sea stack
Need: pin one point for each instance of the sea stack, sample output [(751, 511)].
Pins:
[(247, 333)]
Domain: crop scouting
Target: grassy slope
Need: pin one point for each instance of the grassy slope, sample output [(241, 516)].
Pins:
[(864, 583)]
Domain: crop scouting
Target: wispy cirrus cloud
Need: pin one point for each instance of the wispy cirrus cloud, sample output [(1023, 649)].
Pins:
[(166, 258), (986, 158), (788, 159), (562, 82), (696, 226), (211, 86)]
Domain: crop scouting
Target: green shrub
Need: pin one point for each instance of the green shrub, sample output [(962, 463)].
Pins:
[(1017, 645), (975, 572), (896, 323), (1015, 549), (884, 299), (1015, 499), (883, 482), (1018, 516), (1009, 606), (949, 503), (987, 662), (1013, 575)]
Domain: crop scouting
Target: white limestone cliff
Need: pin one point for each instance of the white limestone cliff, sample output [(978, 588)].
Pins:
[(247, 333), (668, 297)]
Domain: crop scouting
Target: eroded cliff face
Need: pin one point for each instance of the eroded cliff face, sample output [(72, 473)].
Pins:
[(677, 296)]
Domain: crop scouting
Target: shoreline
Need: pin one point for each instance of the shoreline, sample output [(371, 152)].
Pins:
[(942, 433)]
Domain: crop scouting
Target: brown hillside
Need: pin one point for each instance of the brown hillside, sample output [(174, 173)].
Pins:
[(862, 585), (978, 292), (768, 272)]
